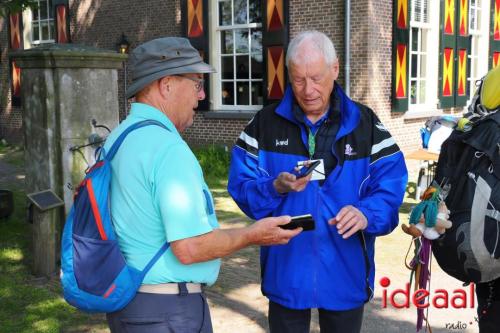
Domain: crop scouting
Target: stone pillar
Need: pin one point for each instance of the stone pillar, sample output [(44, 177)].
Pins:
[(64, 87)]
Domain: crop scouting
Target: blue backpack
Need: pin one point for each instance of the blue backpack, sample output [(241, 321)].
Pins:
[(94, 274)]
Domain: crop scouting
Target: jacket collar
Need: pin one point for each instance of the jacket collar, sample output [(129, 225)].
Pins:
[(349, 111)]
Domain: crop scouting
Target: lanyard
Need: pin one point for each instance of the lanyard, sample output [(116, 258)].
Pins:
[(311, 142)]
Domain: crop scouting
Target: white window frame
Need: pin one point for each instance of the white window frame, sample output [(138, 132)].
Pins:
[(28, 23), (429, 104), (479, 37), (215, 59)]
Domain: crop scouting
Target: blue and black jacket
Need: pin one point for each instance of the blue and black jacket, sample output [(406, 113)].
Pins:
[(320, 269)]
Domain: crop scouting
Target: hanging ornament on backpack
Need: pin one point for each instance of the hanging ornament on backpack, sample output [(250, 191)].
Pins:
[(430, 217), (428, 220)]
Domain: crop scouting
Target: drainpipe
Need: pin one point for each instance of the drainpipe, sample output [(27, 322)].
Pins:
[(347, 43)]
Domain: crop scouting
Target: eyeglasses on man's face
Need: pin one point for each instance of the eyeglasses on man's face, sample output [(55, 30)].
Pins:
[(199, 82)]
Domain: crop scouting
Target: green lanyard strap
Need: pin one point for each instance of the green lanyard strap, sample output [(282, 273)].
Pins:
[(311, 142)]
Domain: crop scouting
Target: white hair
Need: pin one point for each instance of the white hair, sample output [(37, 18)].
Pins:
[(318, 40)]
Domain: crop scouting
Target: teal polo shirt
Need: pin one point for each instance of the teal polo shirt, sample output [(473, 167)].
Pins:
[(158, 194)]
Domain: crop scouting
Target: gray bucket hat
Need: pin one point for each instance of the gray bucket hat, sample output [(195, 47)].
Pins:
[(162, 57)]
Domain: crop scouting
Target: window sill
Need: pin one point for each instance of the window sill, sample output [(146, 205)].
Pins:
[(418, 114), (234, 114)]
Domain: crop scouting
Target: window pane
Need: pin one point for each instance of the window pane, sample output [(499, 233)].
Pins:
[(475, 45), (242, 67), (257, 98), (255, 11), (36, 32), (52, 31), (414, 65), (240, 11), (227, 93), (225, 12), (413, 92), (474, 69), (43, 10), (226, 42), (472, 24), (227, 70), (256, 41), (45, 31), (243, 97), (414, 39), (423, 66), (477, 24), (425, 5), (423, 39), (418, 10), (241, 36), (421, 97), (256, 66)]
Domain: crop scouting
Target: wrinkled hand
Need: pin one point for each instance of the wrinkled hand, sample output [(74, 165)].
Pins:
[(287, 182), (348, 221), (268, 232)]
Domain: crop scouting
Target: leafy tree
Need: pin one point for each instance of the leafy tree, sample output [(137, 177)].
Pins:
[(13, 6)]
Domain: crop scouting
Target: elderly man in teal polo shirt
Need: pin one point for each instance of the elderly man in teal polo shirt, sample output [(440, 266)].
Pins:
[(158, 194)]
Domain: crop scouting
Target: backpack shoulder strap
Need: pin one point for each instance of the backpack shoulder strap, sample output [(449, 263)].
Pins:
[(123, 135), (153, 260)]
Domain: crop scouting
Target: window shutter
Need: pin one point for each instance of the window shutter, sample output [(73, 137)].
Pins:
[(274, 43), (61, 15), (446, 83), (400, 54), (195, 28), (462, 62), (15, 43), (494, 58)]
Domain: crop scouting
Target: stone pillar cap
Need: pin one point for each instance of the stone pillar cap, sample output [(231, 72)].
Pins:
[(67, 56)]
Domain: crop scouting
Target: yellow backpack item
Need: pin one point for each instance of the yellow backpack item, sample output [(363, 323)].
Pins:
[(490, 90), (486, 99)]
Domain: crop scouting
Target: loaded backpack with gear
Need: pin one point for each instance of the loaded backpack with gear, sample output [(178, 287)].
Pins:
[(469, 171), (94, 274)]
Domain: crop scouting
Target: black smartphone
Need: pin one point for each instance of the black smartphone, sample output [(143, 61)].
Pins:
[(306, 170), (306, 222)]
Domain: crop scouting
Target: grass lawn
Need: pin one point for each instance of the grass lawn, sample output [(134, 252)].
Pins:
[(28, 304)]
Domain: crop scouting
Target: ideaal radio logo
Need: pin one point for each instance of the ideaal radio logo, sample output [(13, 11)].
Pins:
[(423, 299)]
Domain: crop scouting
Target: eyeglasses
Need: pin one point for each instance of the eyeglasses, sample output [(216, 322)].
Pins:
[(199, 82)]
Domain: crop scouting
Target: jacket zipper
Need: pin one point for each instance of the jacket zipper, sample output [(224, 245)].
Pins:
[(315, 249)]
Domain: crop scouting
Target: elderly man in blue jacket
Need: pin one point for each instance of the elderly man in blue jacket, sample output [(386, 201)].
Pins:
[(353, 194)]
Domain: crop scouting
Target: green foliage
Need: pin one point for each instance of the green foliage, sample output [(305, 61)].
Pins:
[(214, 161), (14, 6)]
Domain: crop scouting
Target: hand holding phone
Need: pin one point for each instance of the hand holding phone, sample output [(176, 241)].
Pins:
[(306, 170), (305, 222)]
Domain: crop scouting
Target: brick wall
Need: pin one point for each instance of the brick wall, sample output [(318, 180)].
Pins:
[(323, 15), (10, 117), (101, 23), (214, 131)]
